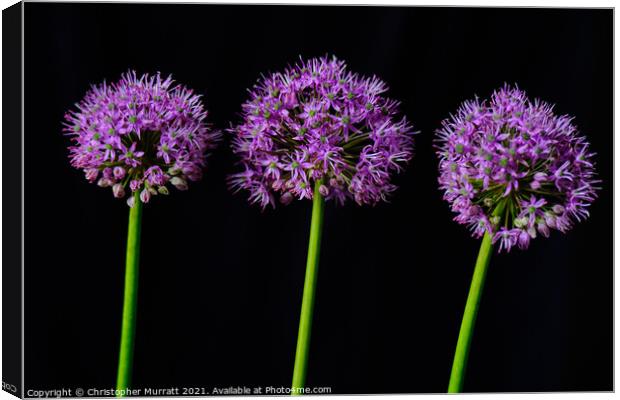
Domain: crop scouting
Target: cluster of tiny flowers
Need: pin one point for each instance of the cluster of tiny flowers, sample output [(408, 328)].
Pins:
[(141, 133), (512, 168), (316, 122)]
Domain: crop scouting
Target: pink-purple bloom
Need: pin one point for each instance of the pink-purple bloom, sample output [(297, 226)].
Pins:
[(514, 169), (317, 122), (139, 135)]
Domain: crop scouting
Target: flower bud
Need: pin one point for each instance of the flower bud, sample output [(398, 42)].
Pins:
[(277, 184), (192, 172), (540, 176), (119, 172), (179, 183), (163, 190), (134, 185), (520, 222), (118, 190), (543, 229), (103, 182), (550, 219), (145, 195), (324, 190), (91, 174), (107, 173), (524, 240), (558, 209), (286, 198), (562, 223)]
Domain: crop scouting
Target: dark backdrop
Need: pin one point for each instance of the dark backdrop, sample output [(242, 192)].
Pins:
[(221, 282)]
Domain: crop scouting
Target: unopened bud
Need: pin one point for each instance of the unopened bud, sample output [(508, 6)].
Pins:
[(145, 195), (540, 176), (119, 172), (174, 171), (550, 219), (277, 184), (558, 209), (523, 240), (543, 229), (286, 198), (91, 174), (118, 190), (324, 190), (103, 182), (134, 185), (520, 222), (179, 183)]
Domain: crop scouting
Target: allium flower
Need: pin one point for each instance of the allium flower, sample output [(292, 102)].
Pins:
[(142, 133), (514, 169), (317, 122)]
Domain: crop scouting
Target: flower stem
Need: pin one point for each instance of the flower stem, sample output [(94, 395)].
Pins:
[(459, 364), (128, 330), (307, 304)]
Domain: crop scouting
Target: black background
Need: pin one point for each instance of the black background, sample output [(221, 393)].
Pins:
[(220, 284), (12, 205)]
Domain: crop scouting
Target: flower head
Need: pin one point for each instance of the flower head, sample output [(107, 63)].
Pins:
[(512, 168), (317, 122), (141, 133)]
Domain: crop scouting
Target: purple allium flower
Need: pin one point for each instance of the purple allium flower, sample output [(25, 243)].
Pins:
[(512, 168), (319, 122), (139, 133)]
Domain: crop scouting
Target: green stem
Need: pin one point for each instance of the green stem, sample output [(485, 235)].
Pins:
[(128, 330), (307, 304), (469, 316)]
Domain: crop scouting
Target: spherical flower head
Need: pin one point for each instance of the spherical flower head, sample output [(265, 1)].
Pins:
[(317, 122), (512, 168), (139, 134)]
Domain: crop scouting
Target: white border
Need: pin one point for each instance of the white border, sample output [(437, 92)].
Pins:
[(480, 3)]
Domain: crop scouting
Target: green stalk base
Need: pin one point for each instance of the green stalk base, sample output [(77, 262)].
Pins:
[(469, 316), (128, 330), (307, 304)]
